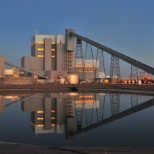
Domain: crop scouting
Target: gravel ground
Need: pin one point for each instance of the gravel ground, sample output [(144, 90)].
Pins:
[(13, 148)]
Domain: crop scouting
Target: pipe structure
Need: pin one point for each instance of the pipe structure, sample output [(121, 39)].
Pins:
[(125, 58)]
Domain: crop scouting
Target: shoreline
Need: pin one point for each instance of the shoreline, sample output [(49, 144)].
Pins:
[(87, 88)]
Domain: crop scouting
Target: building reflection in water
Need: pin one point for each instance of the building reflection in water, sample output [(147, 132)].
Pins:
[(7, 100), (73, 113), (55, 113), (47, 112)]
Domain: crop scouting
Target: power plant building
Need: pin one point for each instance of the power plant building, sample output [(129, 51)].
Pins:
[(53, 56), (47, 56)]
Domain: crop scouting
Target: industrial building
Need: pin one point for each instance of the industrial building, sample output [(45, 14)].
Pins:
[(59, 59), (52, 60), (53, 56)]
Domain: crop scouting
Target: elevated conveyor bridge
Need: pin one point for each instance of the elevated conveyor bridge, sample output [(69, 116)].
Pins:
[(119, 55), (24, 69)]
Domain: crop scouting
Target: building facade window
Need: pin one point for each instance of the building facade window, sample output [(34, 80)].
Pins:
[(40, 49), (40, 56)]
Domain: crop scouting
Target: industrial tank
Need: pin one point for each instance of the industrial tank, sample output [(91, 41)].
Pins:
[(72, 78), (61, 80)]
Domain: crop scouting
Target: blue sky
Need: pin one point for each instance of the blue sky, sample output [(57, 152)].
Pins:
[(124, 25)]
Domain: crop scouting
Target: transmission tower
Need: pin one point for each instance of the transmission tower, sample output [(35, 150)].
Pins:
[(115, 68)]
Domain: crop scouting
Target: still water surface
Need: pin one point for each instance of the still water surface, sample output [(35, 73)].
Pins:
[(78, 119)]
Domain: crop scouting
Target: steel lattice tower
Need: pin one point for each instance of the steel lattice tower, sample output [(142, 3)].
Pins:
[(134, 73), (89, 59), (100, 59), (115, 68), (115, 103), (79, 62)]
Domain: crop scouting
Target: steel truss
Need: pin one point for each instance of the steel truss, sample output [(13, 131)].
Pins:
[(115, 68), (69, 61), (134, 73), (100, 59), (89, 61), (116, 54), (79, 62)]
